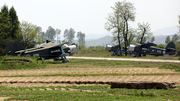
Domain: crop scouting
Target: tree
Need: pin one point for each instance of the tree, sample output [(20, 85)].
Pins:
[(167, 40), (30, 36), (175, 38), (123, 13), (58, 32), (179, 23), (9, 27), (81, 39), (4, 23), (131, 36), (14, 23), (114, 24), (69, 35), (50, 33), (152, 39), (144, 32)]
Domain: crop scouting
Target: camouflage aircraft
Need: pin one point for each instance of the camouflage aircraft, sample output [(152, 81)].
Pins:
[(148, 48), (47, 51)]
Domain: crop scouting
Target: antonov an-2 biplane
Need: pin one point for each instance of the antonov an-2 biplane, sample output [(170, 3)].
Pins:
[(47, 51)]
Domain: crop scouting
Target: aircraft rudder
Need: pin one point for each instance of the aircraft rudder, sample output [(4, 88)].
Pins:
[(171, 45)]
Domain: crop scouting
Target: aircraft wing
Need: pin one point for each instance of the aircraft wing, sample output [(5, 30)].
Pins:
[(45, 46), (51, 45), (146, 45)]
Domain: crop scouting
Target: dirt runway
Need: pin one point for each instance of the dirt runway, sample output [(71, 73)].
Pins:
[(126, 59)]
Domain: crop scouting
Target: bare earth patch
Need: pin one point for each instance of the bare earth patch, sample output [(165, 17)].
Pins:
[(71, 70), (3, 98), (66, 79)]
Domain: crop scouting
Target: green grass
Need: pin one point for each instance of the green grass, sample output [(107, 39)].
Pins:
[(98, 92), (171, 66), (10, 65), (100, 51), (85, 63)]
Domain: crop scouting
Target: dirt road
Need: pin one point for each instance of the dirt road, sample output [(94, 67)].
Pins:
[(126, 59)]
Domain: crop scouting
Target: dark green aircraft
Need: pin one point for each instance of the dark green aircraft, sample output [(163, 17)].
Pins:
[(47, 51), (147, 48)]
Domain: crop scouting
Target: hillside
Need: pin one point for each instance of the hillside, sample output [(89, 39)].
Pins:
[(103, 39)]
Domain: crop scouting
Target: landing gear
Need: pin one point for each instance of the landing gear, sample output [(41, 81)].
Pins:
[(65, 61)]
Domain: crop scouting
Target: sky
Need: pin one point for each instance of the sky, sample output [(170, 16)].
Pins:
[(89, 16)]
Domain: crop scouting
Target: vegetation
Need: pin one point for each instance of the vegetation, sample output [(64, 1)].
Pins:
[(118, 23), (69, 35), (171, 66), (19, 63), (88, 92), (83, 93), (100, 51), (29, 33), (144, 33), (81, 39), (123, 12), (9, 27)]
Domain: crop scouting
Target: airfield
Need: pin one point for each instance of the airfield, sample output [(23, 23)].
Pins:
[(74, 75), (85, 75)]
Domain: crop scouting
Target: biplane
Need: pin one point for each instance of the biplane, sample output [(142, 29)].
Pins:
[(46, 51)]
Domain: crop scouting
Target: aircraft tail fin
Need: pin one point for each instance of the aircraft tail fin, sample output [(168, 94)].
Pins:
[(170, 48), (16, 46), (8, 48), (171, 45)]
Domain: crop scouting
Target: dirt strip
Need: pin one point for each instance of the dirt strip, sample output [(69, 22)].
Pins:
[(127, 59), (91, 79)]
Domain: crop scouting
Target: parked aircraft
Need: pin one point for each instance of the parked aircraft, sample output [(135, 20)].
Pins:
[(47, 51), (114, 49), (148, 48)]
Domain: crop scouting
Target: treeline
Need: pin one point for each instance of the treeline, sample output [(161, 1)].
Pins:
[(11, 29), (52, 34), (118, 24)]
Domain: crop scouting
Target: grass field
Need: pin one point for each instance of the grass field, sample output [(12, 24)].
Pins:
[(86, 70), (101, 52), (87, 93)]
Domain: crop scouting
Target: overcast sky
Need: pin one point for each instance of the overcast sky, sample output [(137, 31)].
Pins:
[(89, 16)]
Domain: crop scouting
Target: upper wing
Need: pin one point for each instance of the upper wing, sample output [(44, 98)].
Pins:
[(147, 45), (45, 46)]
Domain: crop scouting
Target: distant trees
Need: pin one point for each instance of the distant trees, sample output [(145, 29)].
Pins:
[(50, 33), (167, 39), (69, 35), (81, 39), (175, 38), (58, 32)]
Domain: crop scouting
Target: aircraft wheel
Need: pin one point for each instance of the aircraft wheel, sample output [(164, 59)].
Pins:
[(65, 61)]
